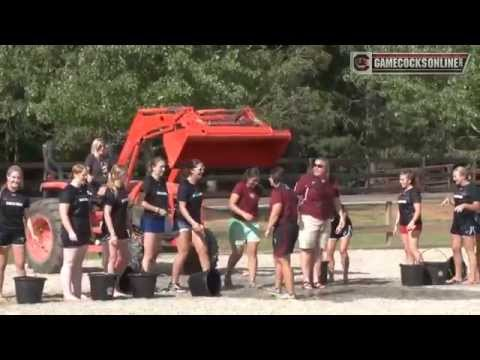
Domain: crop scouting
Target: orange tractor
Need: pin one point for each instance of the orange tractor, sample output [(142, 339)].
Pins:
[(222, 139)]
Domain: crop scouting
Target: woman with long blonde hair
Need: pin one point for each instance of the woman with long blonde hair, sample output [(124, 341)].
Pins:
[(116, 220), (98, 164)]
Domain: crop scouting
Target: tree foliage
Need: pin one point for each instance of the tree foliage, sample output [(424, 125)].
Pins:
[(73, 93)]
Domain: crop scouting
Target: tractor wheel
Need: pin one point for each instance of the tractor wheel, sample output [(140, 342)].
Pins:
[(46, 255)]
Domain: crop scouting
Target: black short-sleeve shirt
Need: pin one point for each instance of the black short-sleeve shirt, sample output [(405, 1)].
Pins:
[(467, 194), (79, 210), (155, 193), (193, 196), (405, 205), (119, 203), (99, 168), (12, 209)]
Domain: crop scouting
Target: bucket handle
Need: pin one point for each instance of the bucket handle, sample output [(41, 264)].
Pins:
[(437, 250)]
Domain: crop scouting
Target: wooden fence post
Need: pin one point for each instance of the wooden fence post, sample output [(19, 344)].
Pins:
[(388, 219), (474, 170)]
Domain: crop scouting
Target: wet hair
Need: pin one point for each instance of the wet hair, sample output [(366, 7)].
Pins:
[(96, 145), (251, 173), (277, 174), (154, 163), (114, 181), (410, 176), (78, 169), (12, 169), (189, 166), (325, 161)]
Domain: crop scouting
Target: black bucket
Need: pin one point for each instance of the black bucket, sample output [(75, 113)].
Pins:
[(143, 284), (436, 272), (412, 275), (123, 282), (102, 286), (324, 272), (451, 268), (205, 283), (29, 290)]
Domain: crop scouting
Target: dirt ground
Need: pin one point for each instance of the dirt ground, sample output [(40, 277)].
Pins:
[(374, 289)]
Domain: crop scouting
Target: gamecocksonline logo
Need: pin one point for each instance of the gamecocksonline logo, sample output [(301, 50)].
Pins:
[(361, 62), (368, 63)]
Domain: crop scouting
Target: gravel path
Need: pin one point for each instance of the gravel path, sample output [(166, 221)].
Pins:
[(374, 289)]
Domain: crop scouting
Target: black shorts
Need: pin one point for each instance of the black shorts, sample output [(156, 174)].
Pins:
[(121, 235), (83, 239), (347, 231), (12, 237), (284, 239), (465, 228)]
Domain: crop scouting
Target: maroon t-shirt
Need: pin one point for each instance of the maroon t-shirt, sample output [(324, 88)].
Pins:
[(317, 197), (287, 197), (248, 198)]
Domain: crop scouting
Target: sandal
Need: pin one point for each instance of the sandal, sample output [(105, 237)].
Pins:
[(319, 285), (453, 281), (307, 286)]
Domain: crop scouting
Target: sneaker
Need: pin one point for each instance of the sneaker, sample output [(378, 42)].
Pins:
[(274, 291), (286, 296), (175, 288)]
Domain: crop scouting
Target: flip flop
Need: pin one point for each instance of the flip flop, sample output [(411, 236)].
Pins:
[(453, 281), (307, 286)]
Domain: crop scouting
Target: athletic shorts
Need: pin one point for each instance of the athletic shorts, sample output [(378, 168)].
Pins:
[(153, 224), (313, 232), (465, 228), (120, 236), (183, 225), (12, 237), (83, 239), (284, 238), (403, 228), (242, 232)]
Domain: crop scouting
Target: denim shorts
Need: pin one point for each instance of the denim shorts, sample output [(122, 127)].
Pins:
[(182, 225), (153, 224)]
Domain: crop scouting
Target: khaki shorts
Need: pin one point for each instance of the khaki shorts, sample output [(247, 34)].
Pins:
[(313, 232)]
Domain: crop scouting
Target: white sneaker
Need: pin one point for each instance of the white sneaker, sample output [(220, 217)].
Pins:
[(274, 291), (286, 296)]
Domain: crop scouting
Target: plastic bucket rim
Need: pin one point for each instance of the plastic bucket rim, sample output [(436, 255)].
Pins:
[(106, 275), (29, 278)]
